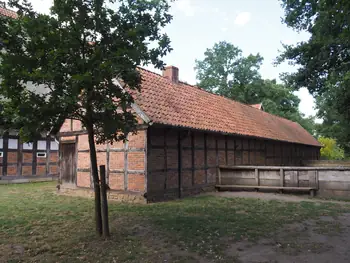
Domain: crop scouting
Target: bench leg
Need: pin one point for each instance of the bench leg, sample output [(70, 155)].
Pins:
[(312, 193), (280, 191), (256, 189)]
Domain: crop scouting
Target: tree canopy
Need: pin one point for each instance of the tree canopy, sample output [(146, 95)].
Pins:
[(330, 149), (67, 65), (323, 60), (225, 71)]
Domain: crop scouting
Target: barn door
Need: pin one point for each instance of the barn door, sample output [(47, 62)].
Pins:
[(67, 165)]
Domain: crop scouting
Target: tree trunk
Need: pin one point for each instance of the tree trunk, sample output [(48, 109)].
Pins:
[(105, 223), (96, 183)]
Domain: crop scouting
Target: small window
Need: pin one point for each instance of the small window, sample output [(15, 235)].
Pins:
[(41, 155), (13, 143), (41, 145), (54, 145), (1, 143), (1, 154), (28, 146)]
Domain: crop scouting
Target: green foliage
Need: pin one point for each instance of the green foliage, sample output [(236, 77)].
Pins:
[(323, 60), (330, 149), (72, 58), (225, 71)]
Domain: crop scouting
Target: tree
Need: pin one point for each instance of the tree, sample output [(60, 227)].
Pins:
[(225, 71), (324, 59), (330, 149), (73, 59)]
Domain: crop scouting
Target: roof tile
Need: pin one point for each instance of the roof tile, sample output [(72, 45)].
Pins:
[(189, 106)]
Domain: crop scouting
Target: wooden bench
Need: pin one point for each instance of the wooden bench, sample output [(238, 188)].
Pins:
[(311, 190)]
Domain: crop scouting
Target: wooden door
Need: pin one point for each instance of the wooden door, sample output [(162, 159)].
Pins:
[(67, 165)]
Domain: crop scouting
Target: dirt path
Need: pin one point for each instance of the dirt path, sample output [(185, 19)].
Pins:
[(324, 240), (275, 196)]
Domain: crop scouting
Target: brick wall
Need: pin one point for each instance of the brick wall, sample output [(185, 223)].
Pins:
[(125, 162), (201, 153), (20, 159)]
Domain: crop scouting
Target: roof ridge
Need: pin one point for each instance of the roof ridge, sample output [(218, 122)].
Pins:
[(231, 100)]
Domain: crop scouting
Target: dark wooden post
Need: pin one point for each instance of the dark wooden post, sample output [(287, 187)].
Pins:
[(5, 153), (179, 157), (47, 164), (34, 151), (206, 158), (19, 157), (193, 159), (104, 204)]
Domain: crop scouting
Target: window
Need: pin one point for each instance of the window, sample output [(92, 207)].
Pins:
[(27, 146), (1, 143), (54, 145), (1, 154), (41, 154), (41, 145), (13, 143)]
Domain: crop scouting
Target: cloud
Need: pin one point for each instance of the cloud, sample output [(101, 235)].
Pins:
[(242, 18), (186, 7), (224, 29)]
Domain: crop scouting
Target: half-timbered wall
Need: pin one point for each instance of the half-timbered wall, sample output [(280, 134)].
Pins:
[(125, 162), (159, 159), (178, 157), (27, 160)]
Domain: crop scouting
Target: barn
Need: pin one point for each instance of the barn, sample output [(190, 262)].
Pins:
[(184, 134)]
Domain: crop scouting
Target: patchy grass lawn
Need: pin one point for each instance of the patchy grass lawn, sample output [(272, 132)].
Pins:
[(37, 225)]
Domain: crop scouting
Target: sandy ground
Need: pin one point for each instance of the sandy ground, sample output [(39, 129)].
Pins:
[(324, 240), (274, 196)]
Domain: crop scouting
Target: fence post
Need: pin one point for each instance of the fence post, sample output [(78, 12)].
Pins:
[(257, 179), (104, 204), (281, 177)]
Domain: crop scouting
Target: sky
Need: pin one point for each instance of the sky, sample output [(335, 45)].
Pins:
[(253, 25)]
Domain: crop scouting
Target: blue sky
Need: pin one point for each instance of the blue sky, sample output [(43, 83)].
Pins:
[(253, 25)]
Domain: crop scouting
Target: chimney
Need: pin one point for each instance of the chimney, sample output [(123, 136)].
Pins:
[(171, 73)]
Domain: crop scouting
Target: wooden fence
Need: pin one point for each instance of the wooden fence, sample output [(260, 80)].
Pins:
[(328, 181)]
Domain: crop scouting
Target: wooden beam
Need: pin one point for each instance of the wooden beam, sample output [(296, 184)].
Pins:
[(35, 149), (75, 164), (219, 175), (281, 177), (147, 155), (249, 152), (257, 179), (265, 152), (5, 154), (107, 162), (192, 158), (179, 156), (165, 159), (226, 152), (206, 157), (234, 151), (126, 146), (20, 158), (47, 165)]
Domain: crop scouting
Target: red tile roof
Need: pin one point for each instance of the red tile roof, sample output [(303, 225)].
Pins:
[(188, 106), (7, 12)]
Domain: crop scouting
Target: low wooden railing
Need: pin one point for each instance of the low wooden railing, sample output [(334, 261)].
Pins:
[(328, 180)]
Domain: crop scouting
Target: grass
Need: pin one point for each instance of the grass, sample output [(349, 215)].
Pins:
[(37, 225)]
